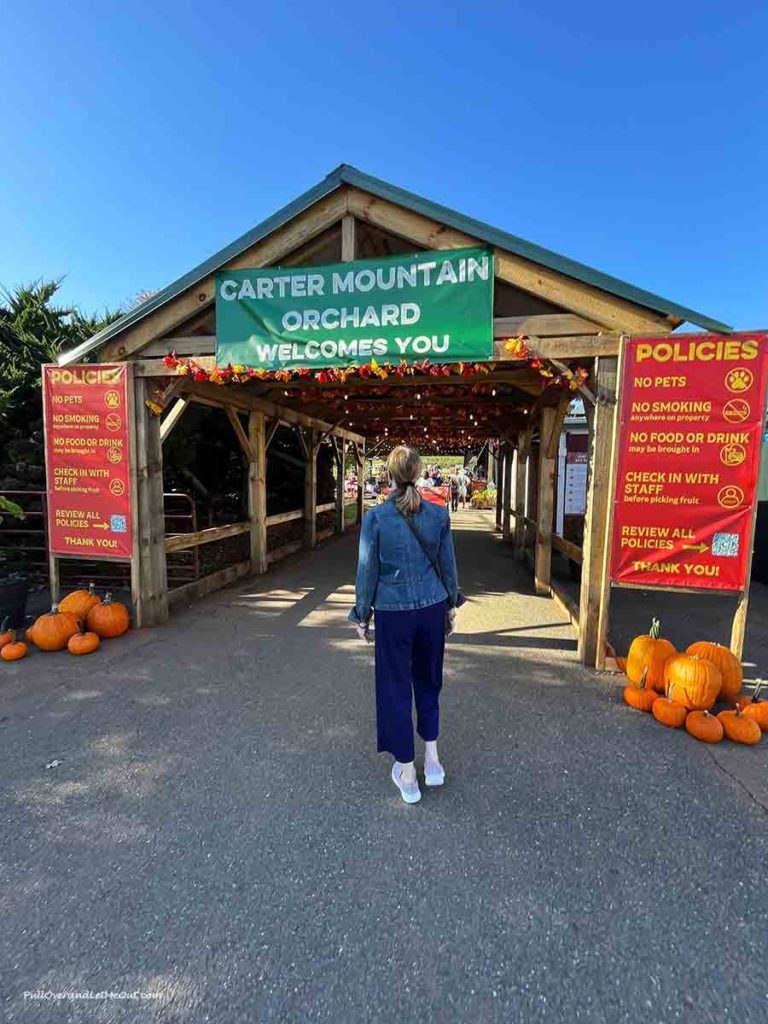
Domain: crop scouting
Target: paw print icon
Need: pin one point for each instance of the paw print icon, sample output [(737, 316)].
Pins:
[(739, 379)]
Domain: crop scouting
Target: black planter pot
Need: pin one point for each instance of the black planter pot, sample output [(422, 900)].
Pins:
[(13, 602)]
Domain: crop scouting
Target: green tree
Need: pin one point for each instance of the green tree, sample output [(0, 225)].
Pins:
[(34, 329)]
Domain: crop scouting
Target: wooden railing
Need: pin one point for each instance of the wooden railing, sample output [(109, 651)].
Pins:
[(567, 548)]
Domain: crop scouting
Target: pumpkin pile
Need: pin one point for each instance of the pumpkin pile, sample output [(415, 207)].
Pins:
[(681, 689), (78, 623)]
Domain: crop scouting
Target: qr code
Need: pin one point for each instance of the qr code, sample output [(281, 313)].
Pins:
[(725, 545), (118, 524)]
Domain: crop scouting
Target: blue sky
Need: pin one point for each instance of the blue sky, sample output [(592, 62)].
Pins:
[(140, 138)]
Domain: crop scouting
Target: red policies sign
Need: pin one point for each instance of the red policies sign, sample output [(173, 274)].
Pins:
[(691, 421), (87, 439)]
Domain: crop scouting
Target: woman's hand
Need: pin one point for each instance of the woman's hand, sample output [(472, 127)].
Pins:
[(450, 621), (363, 632)]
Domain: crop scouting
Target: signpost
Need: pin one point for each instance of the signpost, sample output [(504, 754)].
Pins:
[(88, 456), (691, 422), (432, 305)]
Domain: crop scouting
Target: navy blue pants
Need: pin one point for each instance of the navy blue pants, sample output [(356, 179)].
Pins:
[(409, 667)]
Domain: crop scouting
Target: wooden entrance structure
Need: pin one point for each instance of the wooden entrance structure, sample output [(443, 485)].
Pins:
[(569, 316)]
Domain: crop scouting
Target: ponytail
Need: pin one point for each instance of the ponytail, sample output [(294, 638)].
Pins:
[(404, 465)]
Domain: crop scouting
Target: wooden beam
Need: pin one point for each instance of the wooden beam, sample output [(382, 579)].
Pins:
[(360, 452), (348, 240), (272, 431), (597, 306), (240, 433), (577, 343), (183, 541), (199, 588), (543, 325), (194, 345), (338, 459), (521, 486), (172, 417), (581, 346), (567, 548), (506, 503), (152, 603), (268, 251), (239, 397), (595, 525), (276, 554), (565, 602), (501, 455), (310, 489), (552, 429), (545, 505), (285, 517), (257, 490)]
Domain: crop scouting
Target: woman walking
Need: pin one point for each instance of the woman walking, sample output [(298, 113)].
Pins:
[(407, 573)]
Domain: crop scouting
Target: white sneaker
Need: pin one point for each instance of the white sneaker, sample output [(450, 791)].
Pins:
[(409, 791), (434, 773)]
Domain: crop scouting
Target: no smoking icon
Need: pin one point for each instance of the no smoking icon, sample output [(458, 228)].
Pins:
[(113, 421)]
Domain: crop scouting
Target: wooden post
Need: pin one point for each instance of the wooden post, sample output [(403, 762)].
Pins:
[(152, 603), (596, 547), (545, 505), (310, 489), (348, 238), (739, 626), (360, 450), (500, 470), (521, 489), (338, 458), (257, 490), (506, 506), (53, 578)]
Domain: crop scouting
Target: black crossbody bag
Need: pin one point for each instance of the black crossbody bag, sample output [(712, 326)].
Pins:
[(461, 598)]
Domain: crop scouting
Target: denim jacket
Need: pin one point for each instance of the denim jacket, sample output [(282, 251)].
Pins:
[(393, 572)]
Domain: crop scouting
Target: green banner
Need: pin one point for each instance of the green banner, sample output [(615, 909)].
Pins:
[(431, 305)]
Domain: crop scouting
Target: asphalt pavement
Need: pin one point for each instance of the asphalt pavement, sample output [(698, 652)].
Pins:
[(195, 826)]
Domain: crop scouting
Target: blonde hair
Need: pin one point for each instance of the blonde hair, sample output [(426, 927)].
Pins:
[(404, 465)]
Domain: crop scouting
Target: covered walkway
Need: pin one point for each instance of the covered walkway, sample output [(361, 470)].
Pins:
[(199, 812)]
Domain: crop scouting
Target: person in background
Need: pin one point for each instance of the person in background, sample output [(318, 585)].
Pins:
[(406, 576), (453, 489), (437, 477), (425, 480), (463, 485)]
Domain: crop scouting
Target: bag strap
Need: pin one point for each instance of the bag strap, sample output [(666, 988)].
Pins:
[(427, 555)]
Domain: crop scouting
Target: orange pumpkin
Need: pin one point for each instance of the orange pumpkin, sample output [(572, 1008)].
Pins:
[(739, 728), (52, 631), (13, 651), (649, 651), (703, 726), (669, 712), (29, 634), (695, 683), (728, 663), (640, 696), (83, 642), (7, 636), (80, 602), (758, 712), (109, 618)]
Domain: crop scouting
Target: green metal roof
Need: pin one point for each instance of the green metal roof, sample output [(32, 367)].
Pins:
[(345, 174)]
